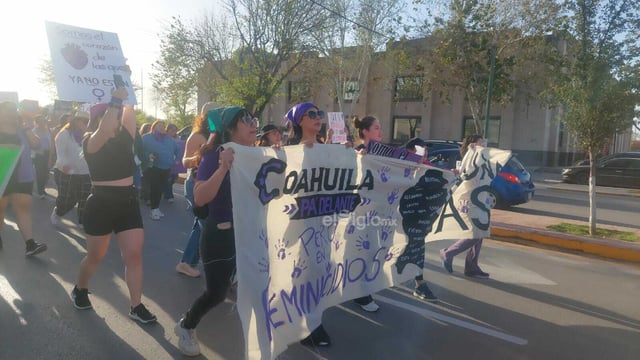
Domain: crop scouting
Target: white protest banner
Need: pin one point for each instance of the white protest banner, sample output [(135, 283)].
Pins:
[(315, 227), (336, 123), (467, 213), (85, 62)]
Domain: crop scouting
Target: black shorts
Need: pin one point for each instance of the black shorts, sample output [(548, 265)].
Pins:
[(111, 209), (14, 187)]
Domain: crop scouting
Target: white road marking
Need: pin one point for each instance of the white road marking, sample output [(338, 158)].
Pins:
[(501, 270), (453, 321), (10, 296)]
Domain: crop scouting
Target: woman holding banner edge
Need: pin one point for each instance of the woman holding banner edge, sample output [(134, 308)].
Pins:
[(368, 129), (217, 242), (305, 121), (447, 254)]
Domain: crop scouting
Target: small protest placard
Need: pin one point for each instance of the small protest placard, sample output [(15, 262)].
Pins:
[(85, 62), (9, 156), (336, 123)]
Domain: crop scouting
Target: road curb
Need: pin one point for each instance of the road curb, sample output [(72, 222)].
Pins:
[(617, 192), (612, 249)]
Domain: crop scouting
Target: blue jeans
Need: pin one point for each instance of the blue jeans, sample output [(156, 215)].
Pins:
[(191, 254), (189, 182)]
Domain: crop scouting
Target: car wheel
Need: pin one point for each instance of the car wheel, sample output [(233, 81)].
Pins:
[(582, 179), (493, 199)]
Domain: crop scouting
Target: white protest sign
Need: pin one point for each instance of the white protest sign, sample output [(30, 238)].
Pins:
[(10, 96), (315, 227), (467, 213), (85, 62), (336, 123)]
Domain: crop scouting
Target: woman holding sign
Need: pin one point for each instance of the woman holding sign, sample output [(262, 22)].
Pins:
[(112, 206), (471, 267), (20, 183), (217, 242)]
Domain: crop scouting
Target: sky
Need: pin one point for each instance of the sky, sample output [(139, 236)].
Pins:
[(138, 24)]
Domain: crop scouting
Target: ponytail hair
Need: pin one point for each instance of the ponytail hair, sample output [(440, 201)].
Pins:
[(363, 124), (469, 139)]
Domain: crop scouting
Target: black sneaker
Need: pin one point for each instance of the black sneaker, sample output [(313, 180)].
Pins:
[(80, 298), (141, 314), (318, 337), (423, 292), (34, 248), (477, 274)]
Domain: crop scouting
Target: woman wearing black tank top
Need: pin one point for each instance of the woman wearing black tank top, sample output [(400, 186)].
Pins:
[(113, 204)]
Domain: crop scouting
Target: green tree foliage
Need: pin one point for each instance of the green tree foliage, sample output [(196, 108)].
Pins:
[(352, 31), (463, 37), (244, 55), (175, 77), (47, 77), (598, 87)]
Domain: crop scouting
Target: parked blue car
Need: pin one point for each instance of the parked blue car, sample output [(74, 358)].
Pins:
[(511, 186)]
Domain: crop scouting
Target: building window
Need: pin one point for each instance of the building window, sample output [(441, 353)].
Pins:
[(298, 91), (405, 128), (493, 138), (351, 90), (408, 88)]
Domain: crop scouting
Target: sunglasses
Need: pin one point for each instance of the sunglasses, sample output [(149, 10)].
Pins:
[(313, 114), (249, 120)]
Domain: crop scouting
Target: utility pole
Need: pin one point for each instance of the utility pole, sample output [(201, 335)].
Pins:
[(141, 91), (492, 70)]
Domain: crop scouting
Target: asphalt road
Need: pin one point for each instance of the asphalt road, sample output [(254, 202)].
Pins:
[(538, 304), (573, 204)]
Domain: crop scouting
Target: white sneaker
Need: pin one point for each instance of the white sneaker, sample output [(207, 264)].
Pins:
[(55, 219), (187, 340), (160, 213), (188, 270), (370, 307), (154, 214)]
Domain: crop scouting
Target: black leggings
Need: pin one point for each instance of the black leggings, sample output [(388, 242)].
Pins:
[(157, 181), (218, 252)]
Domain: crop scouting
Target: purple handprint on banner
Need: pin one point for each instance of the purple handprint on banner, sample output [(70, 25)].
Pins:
[(392, 253), (281, 249), (298, 267), (263, 265), (363, 243), (263, 237), (383, 173), (385, 232), (393, 196)]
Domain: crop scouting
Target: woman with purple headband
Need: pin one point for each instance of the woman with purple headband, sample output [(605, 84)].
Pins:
[(305, 121)]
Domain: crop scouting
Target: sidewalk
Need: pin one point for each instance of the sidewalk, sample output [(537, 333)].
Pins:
[(511, 226)]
